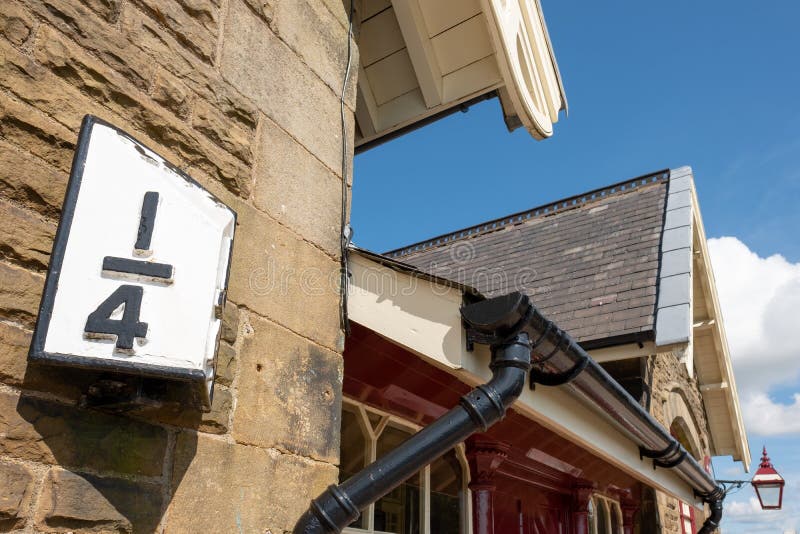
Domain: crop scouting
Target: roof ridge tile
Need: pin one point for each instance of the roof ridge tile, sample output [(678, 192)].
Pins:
[(573, 202)]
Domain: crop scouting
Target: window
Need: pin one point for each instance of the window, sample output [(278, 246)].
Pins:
[(434, 500), (687, 519), (604, 515)]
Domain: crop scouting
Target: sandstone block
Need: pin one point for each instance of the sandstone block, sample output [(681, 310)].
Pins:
[(341, 12), (88, 503), (224, 487), (295, 188), (263, 8), (108, 9), (172, 94), (96, 35), (14, 343), (28, 129), (155, 42), (31, 182), (43, 90), (196, 34), (93, 77), (20, 291), (280, 276), (206, 12), (230, 323), (260, 65), (16, 24), (222, 131), (15, 481), (289, 393), (15, 370), (226, 364), (48, 432), (315, 34), (25, 238)]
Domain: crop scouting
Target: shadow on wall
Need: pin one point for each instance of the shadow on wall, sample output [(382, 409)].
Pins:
[(110, 469)]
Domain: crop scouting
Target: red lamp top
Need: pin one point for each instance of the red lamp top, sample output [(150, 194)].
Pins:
[(766, 473)]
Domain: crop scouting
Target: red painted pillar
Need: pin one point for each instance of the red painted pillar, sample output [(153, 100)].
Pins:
[(484, 455), (629, 509), (581, 494)]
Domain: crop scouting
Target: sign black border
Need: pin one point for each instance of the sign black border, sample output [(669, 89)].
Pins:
[(37, 352)]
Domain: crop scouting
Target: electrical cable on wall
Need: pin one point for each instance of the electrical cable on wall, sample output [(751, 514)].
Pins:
[(346, 232)]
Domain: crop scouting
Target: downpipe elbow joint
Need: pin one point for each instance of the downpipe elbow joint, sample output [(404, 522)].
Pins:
[(714, 501), (487, 403)]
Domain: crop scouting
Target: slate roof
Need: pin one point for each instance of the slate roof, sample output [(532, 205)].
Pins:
[(590, 262)]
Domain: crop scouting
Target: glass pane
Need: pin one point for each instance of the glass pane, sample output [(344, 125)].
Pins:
[(446, 494), (398, 512), (374, 419), (687, 526), (770, 495), (353, 454), (602, 517), (616, 522)]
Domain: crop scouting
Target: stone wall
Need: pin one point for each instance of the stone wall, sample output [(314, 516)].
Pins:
[(674, 394), (244, 96)]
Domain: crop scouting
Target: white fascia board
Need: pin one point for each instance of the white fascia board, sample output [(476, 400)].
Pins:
[(413, 312), (424, 317), (623, 352), (722, 353)]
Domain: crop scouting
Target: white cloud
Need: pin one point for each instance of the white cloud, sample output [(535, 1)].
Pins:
[(760, 300), (767, 418), (747, 516), (748, 508)]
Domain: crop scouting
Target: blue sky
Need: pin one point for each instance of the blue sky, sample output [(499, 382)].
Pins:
[(712, 84)]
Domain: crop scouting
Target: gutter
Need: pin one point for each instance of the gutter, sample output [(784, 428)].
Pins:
[(508, 324), (559, 360)]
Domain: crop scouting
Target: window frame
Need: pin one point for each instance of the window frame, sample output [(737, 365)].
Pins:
[(612, 510), (371, 435), (682, 507)]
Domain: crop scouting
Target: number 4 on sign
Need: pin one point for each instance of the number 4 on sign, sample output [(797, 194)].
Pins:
[(101, 325)]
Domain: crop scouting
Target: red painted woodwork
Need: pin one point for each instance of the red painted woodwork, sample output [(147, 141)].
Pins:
[(483, 509), (581, 494), (687, 513), (485, 456), (629, 508), (544, 481)]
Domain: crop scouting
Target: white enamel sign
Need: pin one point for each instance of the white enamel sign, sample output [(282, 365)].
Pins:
[(139, 267)]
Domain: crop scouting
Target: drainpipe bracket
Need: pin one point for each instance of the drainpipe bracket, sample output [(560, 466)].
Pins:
[(537, 376), (668, 464), (671, 449)]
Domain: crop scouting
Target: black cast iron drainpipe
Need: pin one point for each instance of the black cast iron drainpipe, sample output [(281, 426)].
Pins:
[(508, 324), (479, 409)]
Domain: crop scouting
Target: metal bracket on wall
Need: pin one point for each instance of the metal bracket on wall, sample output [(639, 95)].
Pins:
[(112, 394), (660, 458)]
